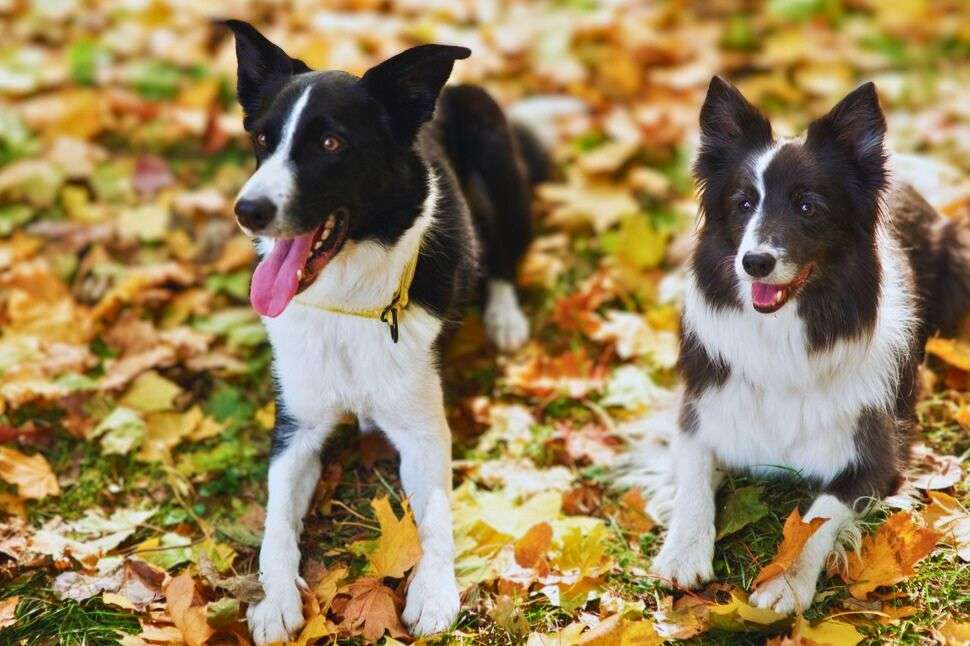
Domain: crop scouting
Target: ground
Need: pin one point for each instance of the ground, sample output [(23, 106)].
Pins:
[(135, 396)]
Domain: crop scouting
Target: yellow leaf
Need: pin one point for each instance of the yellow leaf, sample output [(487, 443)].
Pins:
[(889, 555), (327, 588), (738, 614), (266, 416), (828, 632), (585, 552), (151, 392), (314, 629), (954, 633), (164, 431), (8, 608), (794, 536), (952, 351), (31, 474), (398, 548), (115, 599)]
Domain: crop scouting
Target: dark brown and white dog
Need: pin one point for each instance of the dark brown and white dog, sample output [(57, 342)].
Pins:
[(815, 281), (361, 181)]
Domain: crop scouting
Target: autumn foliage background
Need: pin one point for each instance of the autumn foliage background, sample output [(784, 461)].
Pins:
[(135, 400)]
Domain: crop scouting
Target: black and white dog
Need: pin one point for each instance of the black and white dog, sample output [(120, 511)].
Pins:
[(814, 283), (373, 201)]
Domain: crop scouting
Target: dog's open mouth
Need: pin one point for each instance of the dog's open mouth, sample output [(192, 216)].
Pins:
[(294, 263), (768, 298)]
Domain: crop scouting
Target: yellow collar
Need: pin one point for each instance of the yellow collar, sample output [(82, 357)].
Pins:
[(389, 313)]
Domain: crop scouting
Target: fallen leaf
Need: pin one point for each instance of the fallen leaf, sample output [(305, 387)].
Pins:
[(952, 351), (741, 507), (795, 534), (532, 547), (372, 610), (31, 474), (953, 633), (398, 547), (738, 614), (188, 610), (889, 555), (947, 516), (8, 610)]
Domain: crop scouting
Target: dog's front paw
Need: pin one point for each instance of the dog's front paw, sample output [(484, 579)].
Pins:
[(506, 325), (687, 564), (432, 603), (278, 617), (785, 594)]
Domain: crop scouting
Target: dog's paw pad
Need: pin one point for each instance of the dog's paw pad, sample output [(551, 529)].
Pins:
[(277, 618), (688, 566), (506, 325), (432, 602), (784, 594)]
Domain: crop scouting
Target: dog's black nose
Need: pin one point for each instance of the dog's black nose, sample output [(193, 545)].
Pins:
[(256, 213), (758, 265)]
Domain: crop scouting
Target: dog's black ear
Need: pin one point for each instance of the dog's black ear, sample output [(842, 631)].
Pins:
[(729, 120), (408, 84), (856, 125), (261, 66)]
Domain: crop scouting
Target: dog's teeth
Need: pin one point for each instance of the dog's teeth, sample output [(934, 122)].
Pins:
[(299, 274), (326, 234), (318, 244)]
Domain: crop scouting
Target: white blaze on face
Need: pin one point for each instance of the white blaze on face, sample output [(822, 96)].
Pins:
[(275, 177), (752, 242)]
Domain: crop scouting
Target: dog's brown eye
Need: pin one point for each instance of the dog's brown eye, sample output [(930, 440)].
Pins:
[(331, 144), (806, 208), (261, 140)]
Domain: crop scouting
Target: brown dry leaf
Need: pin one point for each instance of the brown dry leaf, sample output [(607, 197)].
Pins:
[(530, 550), (188, 610), (8, 609), (889, 555), (372, 610), (572, 374), (946, 515), (398, 547), (632, 513), (794, 536), (31, 474)]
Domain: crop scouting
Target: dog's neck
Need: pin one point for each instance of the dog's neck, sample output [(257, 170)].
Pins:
[(365, 274)]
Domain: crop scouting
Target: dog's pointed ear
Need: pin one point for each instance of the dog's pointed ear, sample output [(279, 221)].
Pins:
[(259, 64), (408, 84), (728, 119), (856, 125)]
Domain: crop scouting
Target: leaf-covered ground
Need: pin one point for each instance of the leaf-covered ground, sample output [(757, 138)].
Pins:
[(134, 386)]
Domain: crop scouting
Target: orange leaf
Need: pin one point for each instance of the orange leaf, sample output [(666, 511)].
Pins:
[(372, 610), (30, 473), (888, 556), (187, 610), (530, 549), (794, 536), (954, 352)]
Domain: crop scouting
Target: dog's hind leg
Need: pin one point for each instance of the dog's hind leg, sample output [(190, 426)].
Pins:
[(293, 474), (487, 154), (417, 427)]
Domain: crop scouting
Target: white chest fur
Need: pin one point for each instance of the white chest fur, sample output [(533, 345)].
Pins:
[(783, 407)]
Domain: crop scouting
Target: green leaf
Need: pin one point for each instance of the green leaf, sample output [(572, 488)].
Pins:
[(222, 613), (740, 508), (12, 216), (85, 58), (120, 431)]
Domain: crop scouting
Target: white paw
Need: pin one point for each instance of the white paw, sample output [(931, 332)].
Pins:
[(785, 594), (432, 603), (685, 563), (506, 325), (278, 617)]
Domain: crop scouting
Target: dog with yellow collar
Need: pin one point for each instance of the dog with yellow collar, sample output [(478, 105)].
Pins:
[(381, 205)]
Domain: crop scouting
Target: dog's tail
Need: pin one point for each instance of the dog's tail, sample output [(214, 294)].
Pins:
[(950, 301), (648, 465), (537, 161)]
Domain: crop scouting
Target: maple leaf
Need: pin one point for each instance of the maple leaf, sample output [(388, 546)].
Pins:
[(31, 474), (953, 351), (372, 610), (795, 534), (398, 548), (889, 555)]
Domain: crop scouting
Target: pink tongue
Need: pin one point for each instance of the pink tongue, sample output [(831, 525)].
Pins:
[(763, 294), (274, 281)]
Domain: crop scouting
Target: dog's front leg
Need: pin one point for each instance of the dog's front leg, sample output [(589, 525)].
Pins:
[(794, 589), (418, 428), (686, 558), (293, 474)]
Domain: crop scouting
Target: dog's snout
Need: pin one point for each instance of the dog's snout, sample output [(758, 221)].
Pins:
[(758, 265), (254, 214)]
